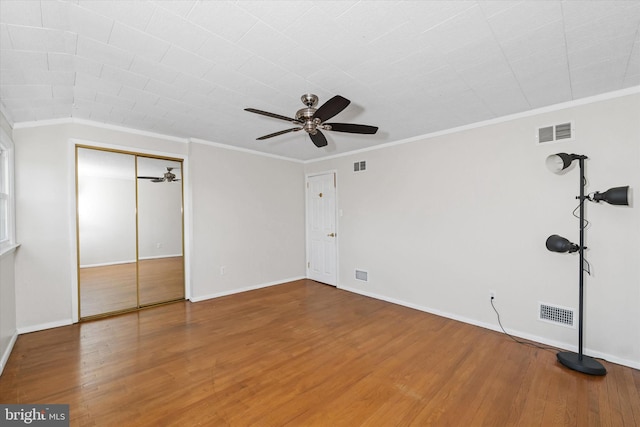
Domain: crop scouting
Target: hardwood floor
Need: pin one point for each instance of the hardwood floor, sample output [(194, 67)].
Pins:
[(306, 354)]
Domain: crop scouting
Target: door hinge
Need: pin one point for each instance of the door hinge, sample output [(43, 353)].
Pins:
[(308, 264), (307, 184)]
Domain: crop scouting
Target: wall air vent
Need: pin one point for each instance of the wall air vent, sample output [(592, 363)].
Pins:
[(362, 275), (359, 166), (545, 134), (559, 132), (556, 314), (563, 131)]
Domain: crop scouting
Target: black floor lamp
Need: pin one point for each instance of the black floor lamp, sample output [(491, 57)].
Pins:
[(615, 196)]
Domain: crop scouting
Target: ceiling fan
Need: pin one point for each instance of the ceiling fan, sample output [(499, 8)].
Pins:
[(312, 120), (167, 177)]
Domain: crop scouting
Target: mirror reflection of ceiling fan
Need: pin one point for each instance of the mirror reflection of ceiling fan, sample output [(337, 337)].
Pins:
[(312, 120), (167, 177)]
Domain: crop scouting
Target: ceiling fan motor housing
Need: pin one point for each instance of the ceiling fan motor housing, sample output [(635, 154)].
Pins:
[(306, 115)]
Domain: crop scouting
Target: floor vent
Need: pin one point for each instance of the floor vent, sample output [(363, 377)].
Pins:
[(556, 314), (362, 275), (560, 132)]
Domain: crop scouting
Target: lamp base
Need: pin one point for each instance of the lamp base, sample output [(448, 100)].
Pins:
[(586, 364)]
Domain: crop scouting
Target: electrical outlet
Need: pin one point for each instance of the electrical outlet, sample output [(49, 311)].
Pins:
[(222, 269), (492, 295)]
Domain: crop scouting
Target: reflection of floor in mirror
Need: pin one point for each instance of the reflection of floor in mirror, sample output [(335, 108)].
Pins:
[(112, 288), (161, 279)]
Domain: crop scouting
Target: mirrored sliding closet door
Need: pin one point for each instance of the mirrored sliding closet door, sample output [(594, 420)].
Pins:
[(130, 231), (160, 259)]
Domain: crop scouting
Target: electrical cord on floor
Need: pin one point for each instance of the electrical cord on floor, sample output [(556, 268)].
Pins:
[(514, 338)]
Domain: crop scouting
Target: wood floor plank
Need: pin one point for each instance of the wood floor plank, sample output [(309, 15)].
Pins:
[(306, 354)]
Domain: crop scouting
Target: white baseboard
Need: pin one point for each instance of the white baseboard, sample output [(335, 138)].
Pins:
[(593, 353), (244, 289), (43, 326), (106, 264), (142, 258), (7, 351)]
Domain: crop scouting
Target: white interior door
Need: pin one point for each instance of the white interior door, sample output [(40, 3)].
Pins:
[(321, 228)]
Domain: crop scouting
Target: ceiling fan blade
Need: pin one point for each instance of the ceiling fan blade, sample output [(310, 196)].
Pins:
[(158, 180), (271, 135), (352, 128), (268, 114), (331, 108), (148, 177), (318, 139)]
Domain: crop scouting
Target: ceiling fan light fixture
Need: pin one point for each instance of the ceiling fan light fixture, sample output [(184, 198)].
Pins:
[(311, 119), (310, 127)]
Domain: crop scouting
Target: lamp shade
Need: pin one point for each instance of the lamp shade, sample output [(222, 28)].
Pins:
[(613, 196), (557, 243), (558, 162)]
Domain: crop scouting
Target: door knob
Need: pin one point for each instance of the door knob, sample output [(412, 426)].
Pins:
[(332, 235)]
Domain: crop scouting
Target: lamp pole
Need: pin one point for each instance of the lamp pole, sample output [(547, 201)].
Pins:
[(580, 362), (581, 260)]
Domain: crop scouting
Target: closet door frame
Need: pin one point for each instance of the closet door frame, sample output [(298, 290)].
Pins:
[(74, 145)]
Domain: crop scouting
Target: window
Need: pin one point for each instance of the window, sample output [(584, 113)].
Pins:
[(7, 223)]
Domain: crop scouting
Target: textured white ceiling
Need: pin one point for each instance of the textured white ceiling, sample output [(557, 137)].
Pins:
[(189, 68)]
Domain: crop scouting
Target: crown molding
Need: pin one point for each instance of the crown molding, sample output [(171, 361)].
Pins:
[(556, 107), (243, 150), (101, 125), (529, 113), (85, 122), (6, 115)]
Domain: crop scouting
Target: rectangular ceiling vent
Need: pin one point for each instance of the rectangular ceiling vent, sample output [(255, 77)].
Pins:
[(362, 275), (556, 314), (559, 132)]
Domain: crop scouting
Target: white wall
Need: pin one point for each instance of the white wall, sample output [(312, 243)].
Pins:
[(245, 211), (45, 209), (159, 219), (248, 218), (8, 329), (441, 221), (107, 219)]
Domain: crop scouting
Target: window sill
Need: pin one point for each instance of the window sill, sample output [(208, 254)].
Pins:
[(8, 249)]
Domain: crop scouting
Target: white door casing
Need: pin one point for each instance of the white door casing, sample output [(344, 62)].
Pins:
[(321, 228)]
